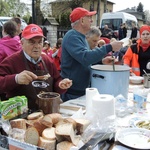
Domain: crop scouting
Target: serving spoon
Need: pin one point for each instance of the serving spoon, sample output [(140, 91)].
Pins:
[(146, 73)]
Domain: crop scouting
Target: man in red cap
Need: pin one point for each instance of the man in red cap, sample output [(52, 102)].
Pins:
[(29, 72), (76, 54)]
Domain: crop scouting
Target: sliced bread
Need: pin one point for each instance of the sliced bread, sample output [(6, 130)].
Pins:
[(47, 144), (35, 115), (18, 123), (66, 131), (65, 145), (47, 120), (71, 120), (81, 125), (49, 133), (31, 136), (56, 117), (39, 126)]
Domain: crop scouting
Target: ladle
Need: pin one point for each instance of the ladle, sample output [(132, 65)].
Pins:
[(146, 73), (113, 61)]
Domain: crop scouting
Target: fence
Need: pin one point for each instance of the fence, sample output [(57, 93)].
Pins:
[(61, 31)]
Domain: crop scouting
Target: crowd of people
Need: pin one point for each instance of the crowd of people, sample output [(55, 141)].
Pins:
[(69, 62)]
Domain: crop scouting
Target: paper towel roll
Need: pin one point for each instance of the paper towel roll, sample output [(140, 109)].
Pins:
[(103, 106), (90, 93)]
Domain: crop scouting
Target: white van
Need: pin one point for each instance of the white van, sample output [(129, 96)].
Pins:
[(5, 19), (114, 19)]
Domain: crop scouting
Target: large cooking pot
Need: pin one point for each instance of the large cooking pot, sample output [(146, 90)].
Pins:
[(49, 102), (146, 80), (109, 81)]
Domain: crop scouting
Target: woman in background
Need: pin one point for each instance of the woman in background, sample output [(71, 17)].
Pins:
[(47, 49), (10, 43), (138, 54)]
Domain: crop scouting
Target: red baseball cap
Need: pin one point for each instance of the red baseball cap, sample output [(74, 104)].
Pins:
[(79, 12), (32, 30)]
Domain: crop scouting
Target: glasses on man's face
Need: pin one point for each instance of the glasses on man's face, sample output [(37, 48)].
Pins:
[(34, 43)]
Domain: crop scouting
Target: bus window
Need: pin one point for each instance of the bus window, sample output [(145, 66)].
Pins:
[(117, 23), (112, 23), (129, 24)]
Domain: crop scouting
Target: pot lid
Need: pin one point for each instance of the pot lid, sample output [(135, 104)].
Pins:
[(110, 67)]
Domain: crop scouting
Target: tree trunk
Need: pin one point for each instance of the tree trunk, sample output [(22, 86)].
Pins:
[(98, 12), (39, 14), (105, 6)]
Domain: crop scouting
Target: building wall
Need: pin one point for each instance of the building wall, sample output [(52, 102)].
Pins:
[(102, 7), (51, 34), (59, 7)]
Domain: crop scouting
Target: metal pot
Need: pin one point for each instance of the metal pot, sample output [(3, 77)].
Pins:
[(146, 80), (109, 81), (49, 102)]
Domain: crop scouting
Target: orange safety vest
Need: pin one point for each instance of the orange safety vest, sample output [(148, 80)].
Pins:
[(131, 58)]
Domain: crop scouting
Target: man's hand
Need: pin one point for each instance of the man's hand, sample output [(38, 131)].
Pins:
[(116, 45), (25, 77), (108, 60), (65, 83)]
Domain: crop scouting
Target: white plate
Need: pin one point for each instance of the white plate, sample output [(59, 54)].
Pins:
[(134, 137)]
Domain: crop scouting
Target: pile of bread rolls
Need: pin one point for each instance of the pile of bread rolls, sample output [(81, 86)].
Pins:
[(51, 131)]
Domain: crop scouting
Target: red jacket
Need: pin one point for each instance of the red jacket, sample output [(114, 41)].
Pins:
[(57, 59)]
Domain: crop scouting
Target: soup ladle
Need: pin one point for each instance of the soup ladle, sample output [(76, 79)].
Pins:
[(146, 73)]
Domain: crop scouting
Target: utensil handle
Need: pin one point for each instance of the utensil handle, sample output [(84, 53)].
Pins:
[(113, 61), (98, 76)]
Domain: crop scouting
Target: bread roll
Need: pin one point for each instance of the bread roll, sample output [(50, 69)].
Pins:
[(31, 136), (47, 144), (18, 123), (49, 134), (65, 145), (35, 115)]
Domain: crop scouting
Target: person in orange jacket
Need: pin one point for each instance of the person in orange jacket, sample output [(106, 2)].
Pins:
[(137, 55)]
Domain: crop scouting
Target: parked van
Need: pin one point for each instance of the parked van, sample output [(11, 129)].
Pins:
[(5, 19), (114, 19)]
